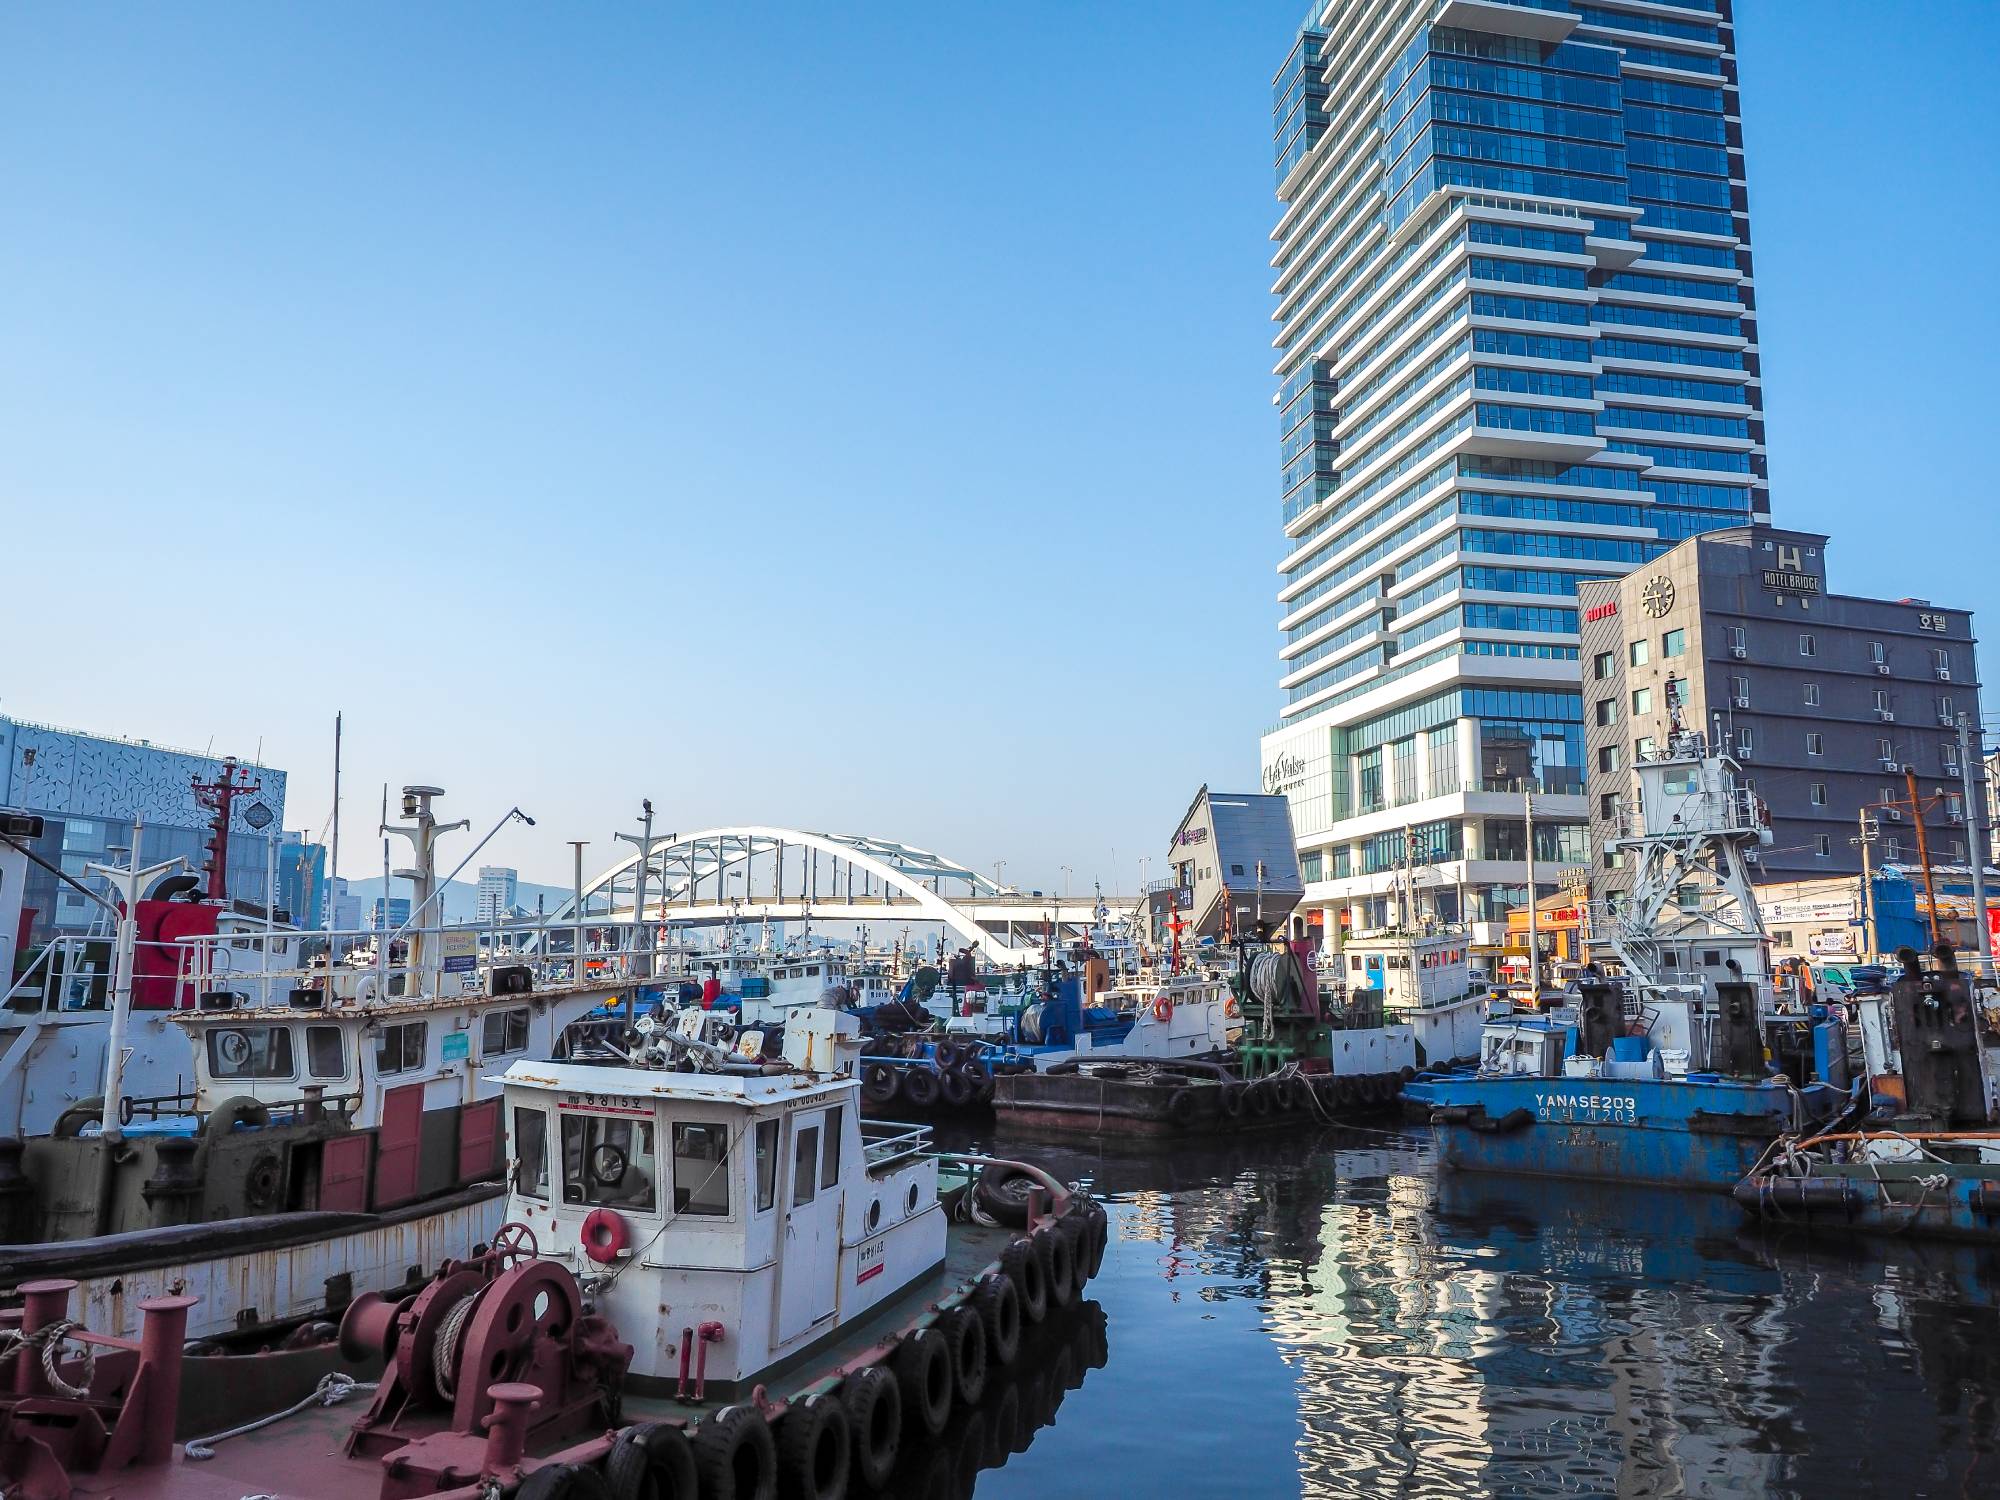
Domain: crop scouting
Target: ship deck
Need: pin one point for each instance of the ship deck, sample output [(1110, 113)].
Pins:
[(302, 1454)]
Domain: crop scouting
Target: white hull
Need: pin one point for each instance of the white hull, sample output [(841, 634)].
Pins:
[(290, 1282)]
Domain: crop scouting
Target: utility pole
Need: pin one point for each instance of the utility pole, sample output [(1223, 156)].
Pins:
[(1969, 746), (1923, 847), (1869, 947), (1534, 935), (576, 911), (642, 957)]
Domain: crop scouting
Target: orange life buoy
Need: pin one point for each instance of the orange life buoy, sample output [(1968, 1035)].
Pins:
[(604, 1235), (1229, 1008), (1163, 1008)]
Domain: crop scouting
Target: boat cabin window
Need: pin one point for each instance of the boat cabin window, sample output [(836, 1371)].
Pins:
[(505, 1031), (767, 1164), (400, 1049), (829, 1161), (805, 1160), (250, 1052), (531, 1153), (701, 1169), (609, 1162), (326, 1052)]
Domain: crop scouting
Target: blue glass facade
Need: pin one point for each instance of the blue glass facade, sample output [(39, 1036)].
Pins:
[(1516, 347)]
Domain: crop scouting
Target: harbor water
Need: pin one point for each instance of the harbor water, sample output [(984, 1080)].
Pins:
[(1329, 1314)]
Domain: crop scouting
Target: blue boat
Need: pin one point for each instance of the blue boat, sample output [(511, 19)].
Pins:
[(1696, 1131), (1683, 1066)]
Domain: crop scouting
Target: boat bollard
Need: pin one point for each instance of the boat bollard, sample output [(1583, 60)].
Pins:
[(507, 1426), (162, 1336), (42, 1303), (1037, 1203), (687, 1354)]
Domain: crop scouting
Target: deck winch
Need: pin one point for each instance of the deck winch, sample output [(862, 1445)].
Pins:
[(500, 1319), (1278, 997)]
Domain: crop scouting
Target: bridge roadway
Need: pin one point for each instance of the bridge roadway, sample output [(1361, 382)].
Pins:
[(1010, 927)]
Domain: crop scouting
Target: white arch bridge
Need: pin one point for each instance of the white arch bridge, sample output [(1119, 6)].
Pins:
[(760, 874)]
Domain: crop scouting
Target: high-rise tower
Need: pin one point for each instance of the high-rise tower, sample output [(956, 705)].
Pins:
[(1517, 347)]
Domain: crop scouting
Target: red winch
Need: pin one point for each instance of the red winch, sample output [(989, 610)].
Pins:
[(496, 1353)]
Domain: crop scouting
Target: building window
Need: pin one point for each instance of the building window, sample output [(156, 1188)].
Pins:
[(1881, 700), (1819, 794), (250, 1052), (1613, 858), (1945, 715), (1607, 758), (1606, 663), (1808, 646), (1674, 643), (1643, 747), (1941, 663), (1739, 691), (326, 1052), (701, 1169), (504, 1031), (1887, 750), (1958, 851), (1822, 845), (1954, 807), (1894, 848), (400, 1049), (1812, 695), (1739, 642), (1639, 653), (531, 1153), (1642, 700), (1878, 653), (1744, 742), (1607, 804), (1607, 710)]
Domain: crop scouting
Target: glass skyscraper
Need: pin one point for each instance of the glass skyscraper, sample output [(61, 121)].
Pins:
[(1517, 347)]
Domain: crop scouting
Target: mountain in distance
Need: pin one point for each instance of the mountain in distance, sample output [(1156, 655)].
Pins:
[(461, 897)]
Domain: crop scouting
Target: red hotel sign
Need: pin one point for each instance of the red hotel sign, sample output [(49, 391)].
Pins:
[(1600, 611)]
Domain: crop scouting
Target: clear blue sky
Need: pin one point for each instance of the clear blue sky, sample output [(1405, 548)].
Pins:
[(854, 417)]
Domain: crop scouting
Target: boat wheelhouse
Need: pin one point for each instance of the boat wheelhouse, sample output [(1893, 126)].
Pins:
[(1425, 981), (753, 1197)]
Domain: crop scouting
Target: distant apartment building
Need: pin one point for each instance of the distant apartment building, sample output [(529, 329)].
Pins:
[(346, 907), (398, 912), (498, 888), (1822, 698), (1516, 349), (90, 787)]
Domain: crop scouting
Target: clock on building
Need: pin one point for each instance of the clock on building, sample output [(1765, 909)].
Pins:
[(1657, 597)]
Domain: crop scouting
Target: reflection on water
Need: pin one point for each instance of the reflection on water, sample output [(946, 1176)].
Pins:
[(1330, 1315)]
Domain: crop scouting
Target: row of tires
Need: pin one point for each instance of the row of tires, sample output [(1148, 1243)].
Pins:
[(962, 1085), (853, 1429)]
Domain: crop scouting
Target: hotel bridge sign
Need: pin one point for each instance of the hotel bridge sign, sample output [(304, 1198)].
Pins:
[(1790, 576)]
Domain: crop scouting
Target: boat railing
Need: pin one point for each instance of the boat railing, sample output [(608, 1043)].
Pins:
[(68, 974), (440, 962), (884, 1143)]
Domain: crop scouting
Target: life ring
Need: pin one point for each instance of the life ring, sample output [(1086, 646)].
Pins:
[(1163, 1008), (1230, 1009), (604, 1235)]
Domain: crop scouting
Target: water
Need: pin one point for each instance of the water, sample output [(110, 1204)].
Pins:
[(1330, 1315)]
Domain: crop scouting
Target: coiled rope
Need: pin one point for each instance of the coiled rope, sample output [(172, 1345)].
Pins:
[(332, 1389), (47, 1339), (444, 1351)]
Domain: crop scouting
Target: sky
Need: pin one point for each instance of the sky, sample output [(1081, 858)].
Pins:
[(854, 418)]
